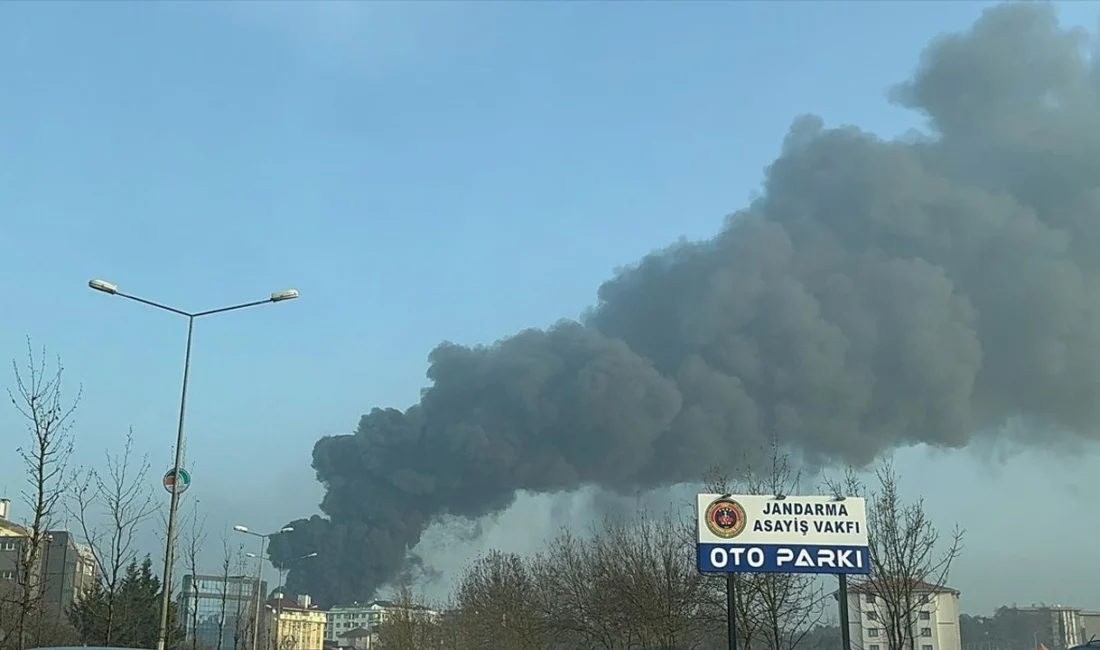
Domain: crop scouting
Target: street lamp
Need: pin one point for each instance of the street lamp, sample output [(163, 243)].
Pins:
[(259, 575), (283, 569), (111, 289)]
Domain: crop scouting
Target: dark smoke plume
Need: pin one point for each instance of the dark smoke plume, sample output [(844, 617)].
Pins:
[(878, 294)]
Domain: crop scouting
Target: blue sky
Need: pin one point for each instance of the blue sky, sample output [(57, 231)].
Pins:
[(419, 172)]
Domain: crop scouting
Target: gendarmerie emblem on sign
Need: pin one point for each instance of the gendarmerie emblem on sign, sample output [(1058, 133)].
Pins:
[(726, 518)]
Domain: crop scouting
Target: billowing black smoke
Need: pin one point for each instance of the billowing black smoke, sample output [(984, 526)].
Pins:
[(880, 293)]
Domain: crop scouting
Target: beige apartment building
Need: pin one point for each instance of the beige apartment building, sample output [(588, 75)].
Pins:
[(295, 624), (65, 569), (935, 624)]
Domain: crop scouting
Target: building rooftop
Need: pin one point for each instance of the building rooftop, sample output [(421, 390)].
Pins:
[(918, 586), (289, 604), (382, 604)]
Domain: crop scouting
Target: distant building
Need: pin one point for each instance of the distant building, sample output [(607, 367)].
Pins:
[(219, 610), (1056, 626), (360, 638), (295, 624), (13, 539), (935, 624), (1090, 625), (70, 571), (65, 570), (345, 619)]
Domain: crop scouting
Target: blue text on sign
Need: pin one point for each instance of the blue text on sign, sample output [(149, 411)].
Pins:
[(783, 558)]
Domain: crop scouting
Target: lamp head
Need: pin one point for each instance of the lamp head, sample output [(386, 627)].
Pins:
[(286, 294), (104, 286)]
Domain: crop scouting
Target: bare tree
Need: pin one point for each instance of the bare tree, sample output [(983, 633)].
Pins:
[(410, 626), (223, 592), (497, 606), (584, 613), (243, 612), (788, 605), (38, 396), (110, 508), (195, 537), (660, 588), (910, 561), (631, 585)]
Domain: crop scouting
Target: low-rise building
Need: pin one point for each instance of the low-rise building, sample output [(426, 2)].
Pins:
[(70, 571), (935, 620), (295, 624), (1090, 625), (63, 571), (1056, 626), (13, 539), (356, 625)]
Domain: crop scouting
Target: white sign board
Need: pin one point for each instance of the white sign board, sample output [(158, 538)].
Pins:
[(770, 534)]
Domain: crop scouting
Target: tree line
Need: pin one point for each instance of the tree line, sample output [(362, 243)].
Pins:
[(632, 583), (105, 507)]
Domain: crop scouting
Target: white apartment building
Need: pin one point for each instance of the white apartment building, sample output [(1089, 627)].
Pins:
[(936, 624), (1090, 625), (1056, 626), (366, 616)]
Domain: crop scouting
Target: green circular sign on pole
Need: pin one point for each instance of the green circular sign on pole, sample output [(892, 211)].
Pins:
[(177, 484)]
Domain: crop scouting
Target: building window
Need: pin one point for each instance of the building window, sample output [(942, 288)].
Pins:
[(926, 647), (924, 616), (926, 631), (7, 575), (871, 616), (870, 598), (874, 646), (872, 632), (9, 546)]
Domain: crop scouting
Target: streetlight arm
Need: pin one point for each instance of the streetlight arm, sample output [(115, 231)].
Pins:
[(222, 310), (153, 304)]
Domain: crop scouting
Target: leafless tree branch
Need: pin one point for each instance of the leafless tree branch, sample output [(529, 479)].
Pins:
[(110, 508), (910, 561), (39, 398)]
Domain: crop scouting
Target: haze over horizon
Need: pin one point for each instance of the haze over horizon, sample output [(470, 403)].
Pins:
[(322, 157)]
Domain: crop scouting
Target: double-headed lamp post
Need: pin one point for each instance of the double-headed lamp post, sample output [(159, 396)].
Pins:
[(173, 504), (259, 576)]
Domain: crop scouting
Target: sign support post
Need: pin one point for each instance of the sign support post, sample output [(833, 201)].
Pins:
[(731, 610), (842, 598)]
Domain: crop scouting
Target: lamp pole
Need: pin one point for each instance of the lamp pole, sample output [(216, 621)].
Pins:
[(170, 538), (259, 576)]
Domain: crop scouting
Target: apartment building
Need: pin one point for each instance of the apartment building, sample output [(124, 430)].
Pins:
[(295, 624), (1090, 625), (935, 624), (218, 610), (1056, 626), (69, 571), (13, 538), (65, 570), (357, 624)]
